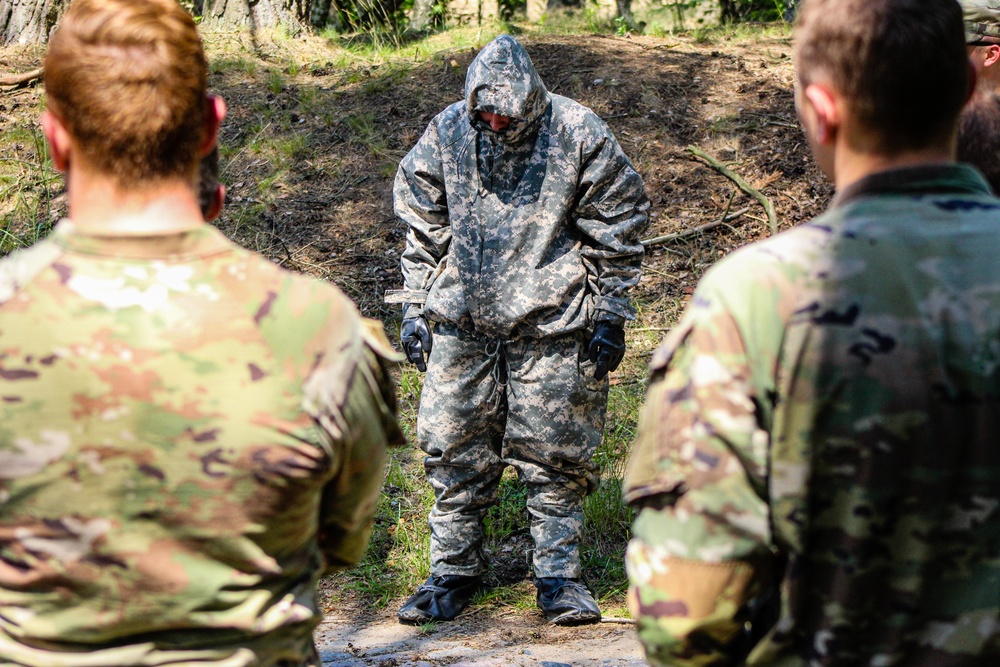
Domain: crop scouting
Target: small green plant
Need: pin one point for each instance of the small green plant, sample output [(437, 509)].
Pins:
[(275, 81), (622, 27), (593, 18)]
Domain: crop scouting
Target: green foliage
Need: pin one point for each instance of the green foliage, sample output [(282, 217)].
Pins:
[(28, 187), (760, 10), (622, 27), (240, 64), (275, 81)]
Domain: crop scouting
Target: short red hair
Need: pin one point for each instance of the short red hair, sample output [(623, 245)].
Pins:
[(128, 79)]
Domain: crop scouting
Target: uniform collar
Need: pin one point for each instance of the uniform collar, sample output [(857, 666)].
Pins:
[(191, 243), (915, 181)]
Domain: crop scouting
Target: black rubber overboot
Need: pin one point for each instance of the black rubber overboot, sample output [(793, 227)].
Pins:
[(440, 598), (566, 601)]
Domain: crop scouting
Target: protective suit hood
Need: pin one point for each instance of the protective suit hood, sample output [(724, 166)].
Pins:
[(503, 80)]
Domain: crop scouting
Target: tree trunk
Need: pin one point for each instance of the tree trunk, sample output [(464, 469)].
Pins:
[(254, 15), (326, 13), (625, 13), (422, 16), (29, 21)]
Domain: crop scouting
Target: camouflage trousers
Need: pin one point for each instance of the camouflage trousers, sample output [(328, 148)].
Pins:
[(529, 403)]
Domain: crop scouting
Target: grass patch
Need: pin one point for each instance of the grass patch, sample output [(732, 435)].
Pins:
[(29, 187), (238, 64), (275, 81)]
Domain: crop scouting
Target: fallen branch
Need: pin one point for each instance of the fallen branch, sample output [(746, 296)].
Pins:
[(21, 79), (772, 219), (694, 230), (622, 621)]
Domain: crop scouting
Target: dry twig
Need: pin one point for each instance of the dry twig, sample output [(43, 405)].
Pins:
[(666, 238), (772, 219), (21, 79)]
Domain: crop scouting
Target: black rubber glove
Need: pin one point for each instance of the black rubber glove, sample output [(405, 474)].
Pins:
[(607, 347), (415, 335)]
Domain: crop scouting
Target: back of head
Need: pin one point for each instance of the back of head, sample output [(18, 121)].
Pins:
[(901, 64), (128, 80), (979, 137)]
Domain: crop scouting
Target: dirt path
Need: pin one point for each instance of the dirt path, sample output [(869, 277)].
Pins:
[(480, 638)]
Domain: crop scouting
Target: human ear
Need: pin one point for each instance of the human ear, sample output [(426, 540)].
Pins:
[(215, 112), (824, 111), (60, 145), (991, 55), (218, 200)]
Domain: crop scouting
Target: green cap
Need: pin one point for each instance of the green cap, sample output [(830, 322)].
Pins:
[(982, 19)]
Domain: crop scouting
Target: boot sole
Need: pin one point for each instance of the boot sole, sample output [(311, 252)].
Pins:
[(575, 618)]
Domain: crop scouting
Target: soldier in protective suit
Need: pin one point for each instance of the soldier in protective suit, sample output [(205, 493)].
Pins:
[(524, 218)]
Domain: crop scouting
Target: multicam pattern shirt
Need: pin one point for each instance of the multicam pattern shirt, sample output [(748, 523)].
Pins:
[(532, 231), (189, 437), (831, 398)]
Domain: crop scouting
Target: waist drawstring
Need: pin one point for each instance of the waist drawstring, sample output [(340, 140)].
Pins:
[(500, 372)]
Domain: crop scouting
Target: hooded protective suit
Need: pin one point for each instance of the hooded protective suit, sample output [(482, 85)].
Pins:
[(518, 242), (529, 232)]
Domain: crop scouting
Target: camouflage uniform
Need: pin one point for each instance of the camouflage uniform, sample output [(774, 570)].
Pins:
[(831, 400), (517, 243), (189, 437), (982, 20)]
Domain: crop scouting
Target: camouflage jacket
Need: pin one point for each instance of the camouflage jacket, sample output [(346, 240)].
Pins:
[(831, 400), (532, 231), (982, 19), (189, 437)]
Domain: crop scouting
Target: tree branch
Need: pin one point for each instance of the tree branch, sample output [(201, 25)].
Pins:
[(694, 230), (772, 219), (21, 79)]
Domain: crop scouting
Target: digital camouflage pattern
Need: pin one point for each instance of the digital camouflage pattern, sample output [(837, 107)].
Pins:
[(547, 430), (189, 437), (518, 241), (530, 232), (982, 19), (832, 397)]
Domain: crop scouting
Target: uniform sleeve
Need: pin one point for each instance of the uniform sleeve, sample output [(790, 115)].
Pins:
[(700, 555), (366, 426), (611, 211), (420, 203)]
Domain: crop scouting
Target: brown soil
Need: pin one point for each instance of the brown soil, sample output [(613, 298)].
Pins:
[(487, 635)]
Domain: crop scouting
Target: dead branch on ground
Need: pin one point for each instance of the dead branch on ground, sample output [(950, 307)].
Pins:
[(666, 238), (772, 219), (21, 79)]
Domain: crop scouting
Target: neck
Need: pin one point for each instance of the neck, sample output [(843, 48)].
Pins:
[(98, 204), (988, 80), (852, 166)]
